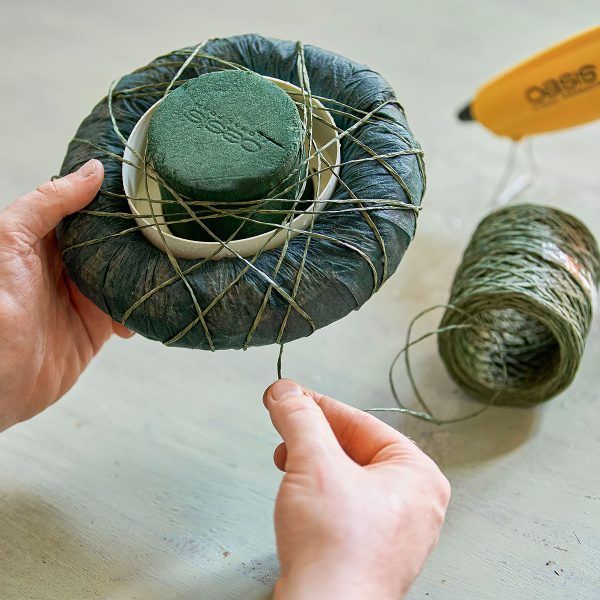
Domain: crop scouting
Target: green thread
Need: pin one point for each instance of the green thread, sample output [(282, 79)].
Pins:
[(520, 308)]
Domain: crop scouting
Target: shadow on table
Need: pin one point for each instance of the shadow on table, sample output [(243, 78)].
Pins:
[(495, 432), (44, 554)]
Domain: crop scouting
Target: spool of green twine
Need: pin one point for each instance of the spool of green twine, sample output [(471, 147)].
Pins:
[(521, 306)]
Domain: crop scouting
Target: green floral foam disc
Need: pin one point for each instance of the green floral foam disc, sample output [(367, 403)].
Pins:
[(227, 137)]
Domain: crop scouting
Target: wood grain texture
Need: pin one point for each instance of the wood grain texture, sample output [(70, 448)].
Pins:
[(153, 478)]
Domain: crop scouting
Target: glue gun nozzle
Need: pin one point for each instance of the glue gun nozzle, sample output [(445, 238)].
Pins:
[(465, 114)]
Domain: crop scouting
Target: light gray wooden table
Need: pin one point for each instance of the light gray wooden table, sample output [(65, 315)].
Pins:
[(153, 478)]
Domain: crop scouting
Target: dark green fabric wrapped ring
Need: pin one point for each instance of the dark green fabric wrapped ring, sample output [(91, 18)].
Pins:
[(350, 254)]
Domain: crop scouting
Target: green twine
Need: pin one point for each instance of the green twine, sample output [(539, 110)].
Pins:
[(527, 286), (520, 309)]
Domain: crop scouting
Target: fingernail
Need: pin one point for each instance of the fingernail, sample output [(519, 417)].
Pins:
[(283, 388), (87, 169)]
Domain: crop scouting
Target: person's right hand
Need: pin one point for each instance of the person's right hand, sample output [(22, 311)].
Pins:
[(360, 506)]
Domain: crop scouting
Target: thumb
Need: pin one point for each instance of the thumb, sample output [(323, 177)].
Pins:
[(36, 214), (301, 423)]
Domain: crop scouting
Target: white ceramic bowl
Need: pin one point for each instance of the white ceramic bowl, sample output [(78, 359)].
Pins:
[(138, 194)]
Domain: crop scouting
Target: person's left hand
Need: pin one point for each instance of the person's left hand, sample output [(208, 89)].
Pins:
[(49, 331)]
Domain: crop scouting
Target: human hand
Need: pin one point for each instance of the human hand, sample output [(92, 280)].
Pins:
[(49, 331), (360, 507)]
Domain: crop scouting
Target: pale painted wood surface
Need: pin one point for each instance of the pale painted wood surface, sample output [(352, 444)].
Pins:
[(153, 478)]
